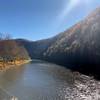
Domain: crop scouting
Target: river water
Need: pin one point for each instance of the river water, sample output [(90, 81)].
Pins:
[(37, 80)]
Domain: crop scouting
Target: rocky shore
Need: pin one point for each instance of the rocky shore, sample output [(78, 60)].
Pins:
[(84, 88)]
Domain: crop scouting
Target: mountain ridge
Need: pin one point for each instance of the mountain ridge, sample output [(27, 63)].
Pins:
[(78, 46)]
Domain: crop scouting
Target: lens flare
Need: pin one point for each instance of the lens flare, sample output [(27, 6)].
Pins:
[(69, 6)]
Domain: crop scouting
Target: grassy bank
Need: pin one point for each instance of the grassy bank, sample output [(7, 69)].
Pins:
[(5, 66)]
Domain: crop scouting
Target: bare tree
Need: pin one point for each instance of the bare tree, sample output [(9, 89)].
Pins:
[(1, 36), (5, 36), (10, 50)]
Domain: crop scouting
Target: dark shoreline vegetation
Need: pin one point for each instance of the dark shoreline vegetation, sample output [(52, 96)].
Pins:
[(77, 48), (11, 53)]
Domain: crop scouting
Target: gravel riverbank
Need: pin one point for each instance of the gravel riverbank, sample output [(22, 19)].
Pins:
[(84, 88)]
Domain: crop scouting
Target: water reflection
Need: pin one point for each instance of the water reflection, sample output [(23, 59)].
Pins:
[(37, 81)]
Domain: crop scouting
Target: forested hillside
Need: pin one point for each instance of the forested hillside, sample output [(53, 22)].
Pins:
[(36, 48), (10, 51), (78, 46)]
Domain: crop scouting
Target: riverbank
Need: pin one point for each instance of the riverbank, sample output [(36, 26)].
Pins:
[(9, 65), (84, 88)]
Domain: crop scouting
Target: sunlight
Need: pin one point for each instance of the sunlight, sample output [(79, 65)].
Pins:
[(70, 6)]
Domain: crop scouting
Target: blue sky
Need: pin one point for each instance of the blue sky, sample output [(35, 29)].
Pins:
[(38, 19)]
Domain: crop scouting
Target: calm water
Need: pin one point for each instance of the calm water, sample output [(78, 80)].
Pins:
[(37, 81)]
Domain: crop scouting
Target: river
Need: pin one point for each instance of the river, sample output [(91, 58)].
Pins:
[(37, 80)]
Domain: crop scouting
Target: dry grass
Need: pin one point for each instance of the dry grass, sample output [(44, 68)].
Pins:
[(5, 66)]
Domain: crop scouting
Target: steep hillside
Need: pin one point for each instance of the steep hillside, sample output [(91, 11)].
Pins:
[(36, 48), (79, 45)]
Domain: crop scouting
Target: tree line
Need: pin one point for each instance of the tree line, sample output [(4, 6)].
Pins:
[(10, 51)]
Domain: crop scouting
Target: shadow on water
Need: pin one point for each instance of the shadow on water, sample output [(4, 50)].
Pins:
[(89, 69), (38, 61)]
